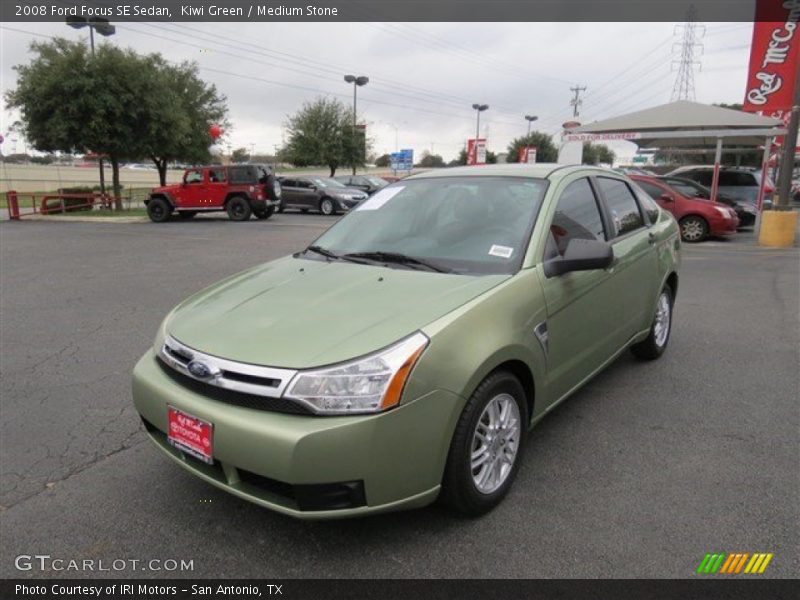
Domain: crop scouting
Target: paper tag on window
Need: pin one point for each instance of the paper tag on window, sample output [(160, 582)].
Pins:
[(501, 251), (380, 198)]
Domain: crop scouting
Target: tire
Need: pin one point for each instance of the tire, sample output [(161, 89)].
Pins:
[(463, 488), (265, 214), (187, 214), (239, 209), (693, 229), (654, 345), (281, 208), (159, 210), (327, 207)]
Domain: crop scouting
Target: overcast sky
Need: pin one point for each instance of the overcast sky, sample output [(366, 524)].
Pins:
[(424, 77)]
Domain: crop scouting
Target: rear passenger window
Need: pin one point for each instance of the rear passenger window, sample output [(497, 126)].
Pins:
[(622, 205), (577, 217), (736, 179)]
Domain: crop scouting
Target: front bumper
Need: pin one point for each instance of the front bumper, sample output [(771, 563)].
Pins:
[(394, 460), (723, 226)]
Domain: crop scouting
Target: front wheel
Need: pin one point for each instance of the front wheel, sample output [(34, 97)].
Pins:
[(327, 207), (693, 229), (239, 209), (656, 342), (487, 446)]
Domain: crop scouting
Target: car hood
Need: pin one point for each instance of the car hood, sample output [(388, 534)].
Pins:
[(349, 191), (299, 313)]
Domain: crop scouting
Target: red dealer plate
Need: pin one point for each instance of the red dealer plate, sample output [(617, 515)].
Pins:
[(190, 434)]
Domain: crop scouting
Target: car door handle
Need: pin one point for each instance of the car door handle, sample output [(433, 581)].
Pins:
[(651, 238)]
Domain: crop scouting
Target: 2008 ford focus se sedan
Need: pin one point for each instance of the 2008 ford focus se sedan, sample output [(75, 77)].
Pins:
[(403, 356)]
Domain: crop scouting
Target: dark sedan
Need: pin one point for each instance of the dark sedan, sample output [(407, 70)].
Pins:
[(746, 211), (326, 195)]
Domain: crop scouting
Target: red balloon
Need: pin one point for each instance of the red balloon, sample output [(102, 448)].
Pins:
[(215, 131)]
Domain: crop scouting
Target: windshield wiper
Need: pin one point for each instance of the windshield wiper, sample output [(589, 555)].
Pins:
[(330, 255), (398, 258)]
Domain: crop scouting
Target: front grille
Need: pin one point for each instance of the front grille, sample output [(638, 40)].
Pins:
[(229, 396)]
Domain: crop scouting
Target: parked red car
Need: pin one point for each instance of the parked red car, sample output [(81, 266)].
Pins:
[(698, 217)]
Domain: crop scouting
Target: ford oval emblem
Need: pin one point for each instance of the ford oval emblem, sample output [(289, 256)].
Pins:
[(199, 370)]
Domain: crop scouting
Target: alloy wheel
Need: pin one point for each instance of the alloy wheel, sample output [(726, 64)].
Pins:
[(495, 442), (692, 230), (663, 320)]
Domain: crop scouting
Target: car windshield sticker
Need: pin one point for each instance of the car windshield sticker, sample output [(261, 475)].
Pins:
[(501, 251), (381, 198)]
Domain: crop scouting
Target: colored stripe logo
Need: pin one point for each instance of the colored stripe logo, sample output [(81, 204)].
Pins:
[(734, 563)]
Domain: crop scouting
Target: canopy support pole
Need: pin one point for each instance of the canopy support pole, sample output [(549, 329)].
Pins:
[(762, 188), (715, 180)]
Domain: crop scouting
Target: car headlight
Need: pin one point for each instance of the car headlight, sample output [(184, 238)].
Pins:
[(345, 197), (369, 384), (723, 211)]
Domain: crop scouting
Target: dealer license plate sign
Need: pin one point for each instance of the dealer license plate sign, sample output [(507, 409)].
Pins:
[(190, 434)]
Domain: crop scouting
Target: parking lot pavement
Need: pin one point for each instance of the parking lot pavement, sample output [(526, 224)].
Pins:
[(638, 475)]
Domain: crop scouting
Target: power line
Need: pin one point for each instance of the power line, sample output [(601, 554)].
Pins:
[(576, 102)]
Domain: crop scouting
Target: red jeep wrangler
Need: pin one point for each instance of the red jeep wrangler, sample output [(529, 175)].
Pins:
[(240, 190)]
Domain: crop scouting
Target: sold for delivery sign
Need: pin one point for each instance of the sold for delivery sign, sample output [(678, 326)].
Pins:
[(773, 58)]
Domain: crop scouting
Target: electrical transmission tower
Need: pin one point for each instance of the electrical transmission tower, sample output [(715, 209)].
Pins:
[(687, 49), (576, 102)]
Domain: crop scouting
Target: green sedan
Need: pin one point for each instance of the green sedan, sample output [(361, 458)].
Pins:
[(403, 356)]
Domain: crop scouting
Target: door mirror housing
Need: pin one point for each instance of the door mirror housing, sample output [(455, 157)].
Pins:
[(667, 198), (581, 255)]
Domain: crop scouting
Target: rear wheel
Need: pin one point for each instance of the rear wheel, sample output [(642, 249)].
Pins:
[(239, 209), (187, 214), (487, 446), (266, 213), (327, 207), (693, 229), (656, 342), (159, 210)]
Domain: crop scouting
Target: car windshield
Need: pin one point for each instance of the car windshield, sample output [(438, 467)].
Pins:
[(467, 225), (326, 183)]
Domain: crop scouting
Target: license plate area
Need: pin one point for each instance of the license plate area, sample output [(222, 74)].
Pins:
[(190, 434)]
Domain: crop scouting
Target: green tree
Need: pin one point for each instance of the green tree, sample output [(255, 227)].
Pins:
[(384, 160), (182, 108), (594, 154), (321, 133), (546, 150), (431, 161), (240, 155)]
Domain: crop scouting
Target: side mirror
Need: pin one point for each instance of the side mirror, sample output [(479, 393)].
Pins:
[(667, 198), (581, 255)]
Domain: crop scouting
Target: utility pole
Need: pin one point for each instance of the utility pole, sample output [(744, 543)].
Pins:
[(576, 102), (686, 63)]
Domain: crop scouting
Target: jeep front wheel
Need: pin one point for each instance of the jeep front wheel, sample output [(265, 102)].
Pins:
[(158, 210), (239, 209)]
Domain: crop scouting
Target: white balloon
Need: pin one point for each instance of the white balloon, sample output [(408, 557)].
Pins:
[(216, 149)]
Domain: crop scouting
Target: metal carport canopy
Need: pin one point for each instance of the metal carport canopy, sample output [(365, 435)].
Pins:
[(685, 124)]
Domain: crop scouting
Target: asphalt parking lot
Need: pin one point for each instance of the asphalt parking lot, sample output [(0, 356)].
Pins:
[(638, 475)]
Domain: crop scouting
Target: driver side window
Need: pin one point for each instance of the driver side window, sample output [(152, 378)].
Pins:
[(194, 177), (577, 216)]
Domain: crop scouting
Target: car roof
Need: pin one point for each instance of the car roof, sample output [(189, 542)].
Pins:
[(536, 170)]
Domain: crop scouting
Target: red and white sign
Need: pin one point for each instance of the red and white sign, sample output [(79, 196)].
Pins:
[(591, 137), (190, 434), (774, 56), (527, 154), (476, 151)]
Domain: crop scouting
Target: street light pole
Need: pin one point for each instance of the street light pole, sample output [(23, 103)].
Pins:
[(530, 119), (357, 81), (479, 108), (104, 28)]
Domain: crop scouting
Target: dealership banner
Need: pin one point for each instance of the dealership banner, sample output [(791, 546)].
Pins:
[(476, 151), (773, 58)]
